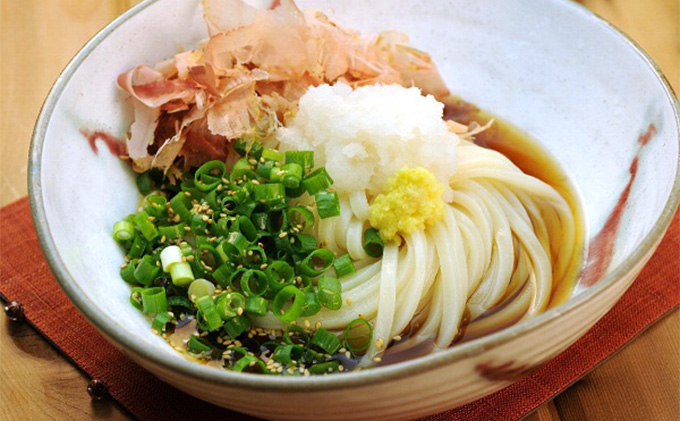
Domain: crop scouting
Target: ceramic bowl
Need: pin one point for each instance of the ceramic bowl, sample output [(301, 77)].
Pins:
[(572, 81)]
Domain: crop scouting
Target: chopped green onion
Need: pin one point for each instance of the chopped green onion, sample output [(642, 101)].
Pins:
[(146, 227), (240, 146), (160, 322), (233, 246), (280, 275), (146, 270), (206, 306), (181, 274), (236, 229), (229, 205), (245, 226), (288, 354), (235, 279), (222, 274), (136, 298), (237, 326), (358, 335), (327, 204), (254, 256), (326, 341), (329, 292), (294, 310), (198, 346), (156, 206), (197, 224), (181, 204), (242, 168), (211, 200), (264, 170), (172, 232), (296, 192), (316, 181), (144, 183), (123, 231), (343, 266), (228, 304), (254, 150), (200, 288), (221, 227), (373, 245), (303, 244), (312, 305), (256, 305), (317, 262), (128, 272), (305, 159), (201, 240), (169, 256), (290, 175), (246, 208), (138, 246), (186, 249), (254, 283), (273, 195), (209, 175), (154, 300), (233, 352), (207, 256), (272, 155), (189, 188), (325, 368), (300, 217), (250, 364), (295, 335)]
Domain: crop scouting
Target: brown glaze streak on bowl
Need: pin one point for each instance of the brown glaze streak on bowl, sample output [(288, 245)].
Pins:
[(601, 247), (115, 145)]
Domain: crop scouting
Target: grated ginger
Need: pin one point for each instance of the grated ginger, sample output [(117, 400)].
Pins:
[(411, 200)]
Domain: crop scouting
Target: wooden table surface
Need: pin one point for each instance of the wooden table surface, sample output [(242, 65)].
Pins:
[(38, 38)]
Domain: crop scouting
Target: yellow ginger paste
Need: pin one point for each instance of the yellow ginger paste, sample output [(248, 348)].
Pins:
[(411, 201)]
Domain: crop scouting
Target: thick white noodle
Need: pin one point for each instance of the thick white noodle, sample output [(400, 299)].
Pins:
[(505, 246), (386, 304)]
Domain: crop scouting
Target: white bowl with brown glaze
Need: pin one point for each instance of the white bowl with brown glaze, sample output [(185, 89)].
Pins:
[(582, 89)]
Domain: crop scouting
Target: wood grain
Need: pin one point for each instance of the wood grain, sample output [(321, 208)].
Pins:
[(38, 37)]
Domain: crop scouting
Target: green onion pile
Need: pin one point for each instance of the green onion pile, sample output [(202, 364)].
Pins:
[(222, 247)]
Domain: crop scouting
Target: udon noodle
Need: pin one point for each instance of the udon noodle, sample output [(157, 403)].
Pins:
[(506, 243)]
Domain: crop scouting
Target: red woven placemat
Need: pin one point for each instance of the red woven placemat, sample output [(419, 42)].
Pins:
[(25, 277)]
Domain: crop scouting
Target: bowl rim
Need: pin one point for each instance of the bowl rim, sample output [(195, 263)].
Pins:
[(345, 380)]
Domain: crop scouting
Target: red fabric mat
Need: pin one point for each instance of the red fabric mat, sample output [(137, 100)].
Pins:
[(25, 277)]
